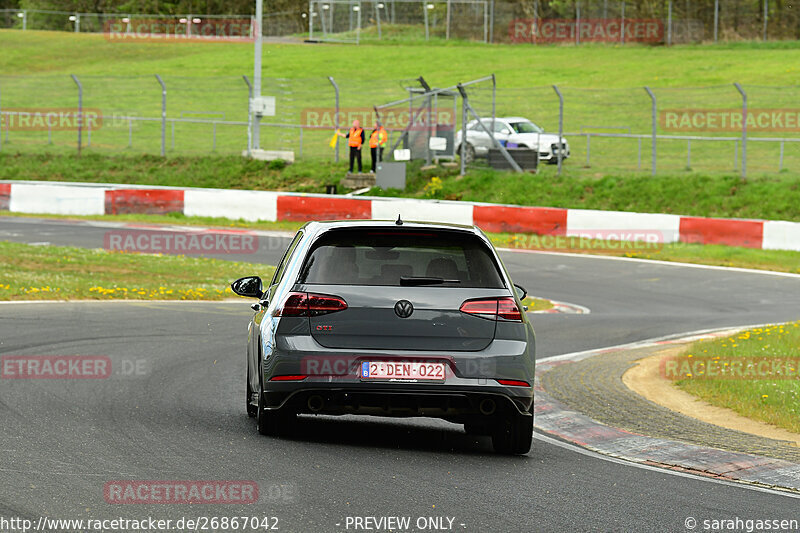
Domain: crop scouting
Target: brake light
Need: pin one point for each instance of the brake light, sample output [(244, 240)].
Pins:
[(507, 310), (309, 304), (493, 309), (321, 304), (299, 377), (513, 383)]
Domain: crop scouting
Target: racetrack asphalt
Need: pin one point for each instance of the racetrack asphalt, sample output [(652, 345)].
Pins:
[(181, 417)]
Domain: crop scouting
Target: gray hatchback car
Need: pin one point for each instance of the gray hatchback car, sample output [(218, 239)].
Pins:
[(392, 318)]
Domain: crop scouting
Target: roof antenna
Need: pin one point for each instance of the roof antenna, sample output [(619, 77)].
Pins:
[(398, 221)]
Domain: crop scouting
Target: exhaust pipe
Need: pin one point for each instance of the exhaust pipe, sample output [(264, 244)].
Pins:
[(315, 403), (487, 407)]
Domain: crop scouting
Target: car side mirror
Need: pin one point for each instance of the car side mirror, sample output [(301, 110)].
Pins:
[(249, 286), (521, 292)]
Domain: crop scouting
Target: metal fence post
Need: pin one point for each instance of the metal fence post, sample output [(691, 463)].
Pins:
[(257, 49), (622, 25), (655, 127), (336, 115), (578, 22), (463, 132), (716, 21), (249, 116), (494, 100), (425, 15), (688, 154), (358, 28), (669, 23), (744, 128), (485, 23), (80, 110), (766, 17), (378, 19), (639, 159), (560, 125), (588, 149), (491, 22), (163, 115), (311, 21)]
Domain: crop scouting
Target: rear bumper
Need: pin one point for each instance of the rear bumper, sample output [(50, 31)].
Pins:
[(456, 403)]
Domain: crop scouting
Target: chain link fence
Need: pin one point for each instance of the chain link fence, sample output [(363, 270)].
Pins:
[(528, 21), (658, 130)]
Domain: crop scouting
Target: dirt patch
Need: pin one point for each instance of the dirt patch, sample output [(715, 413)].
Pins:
[(645, 379)]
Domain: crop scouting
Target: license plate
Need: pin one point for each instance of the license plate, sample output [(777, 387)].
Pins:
[(385, 370)]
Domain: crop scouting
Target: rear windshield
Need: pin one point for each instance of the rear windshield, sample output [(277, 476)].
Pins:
[(390, 257)]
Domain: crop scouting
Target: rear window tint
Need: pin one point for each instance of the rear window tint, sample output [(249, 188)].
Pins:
[(383, 256)]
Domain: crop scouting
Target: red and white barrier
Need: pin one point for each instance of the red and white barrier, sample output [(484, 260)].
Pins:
[(98, 199)]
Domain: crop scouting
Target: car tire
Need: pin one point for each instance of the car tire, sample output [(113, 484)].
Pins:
[(252, 410), (513, 435), (272, 422)]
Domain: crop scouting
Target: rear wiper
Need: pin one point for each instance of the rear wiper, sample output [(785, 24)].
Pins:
[(407, 281)]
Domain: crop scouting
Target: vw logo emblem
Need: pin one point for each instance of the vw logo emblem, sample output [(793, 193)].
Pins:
[(403, 308)]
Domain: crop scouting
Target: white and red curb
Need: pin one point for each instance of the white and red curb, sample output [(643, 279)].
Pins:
[(555, 418), (59, 198)]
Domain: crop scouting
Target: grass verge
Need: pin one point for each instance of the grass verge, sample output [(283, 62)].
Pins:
[(702, 254), (537, 304), (773, 197), (204, 80), (31, 272), (64, 273), (754, 373), (710, 254)]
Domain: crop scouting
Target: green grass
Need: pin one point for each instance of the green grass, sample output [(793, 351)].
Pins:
[(717, 255), (741, 384), (537, 304), (602, 86), (773, 197), (30, 272), (39, 52), (708, 254)]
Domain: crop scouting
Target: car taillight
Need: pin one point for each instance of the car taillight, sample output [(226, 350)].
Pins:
[(310, 304), (513, 383), (321, 304), (507, 310), (493, 309), (299, 377)]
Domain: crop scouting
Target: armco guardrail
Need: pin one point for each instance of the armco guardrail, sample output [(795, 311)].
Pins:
[(98, 199)]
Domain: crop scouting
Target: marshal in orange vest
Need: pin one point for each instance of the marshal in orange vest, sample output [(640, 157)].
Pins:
[(355, 137)]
